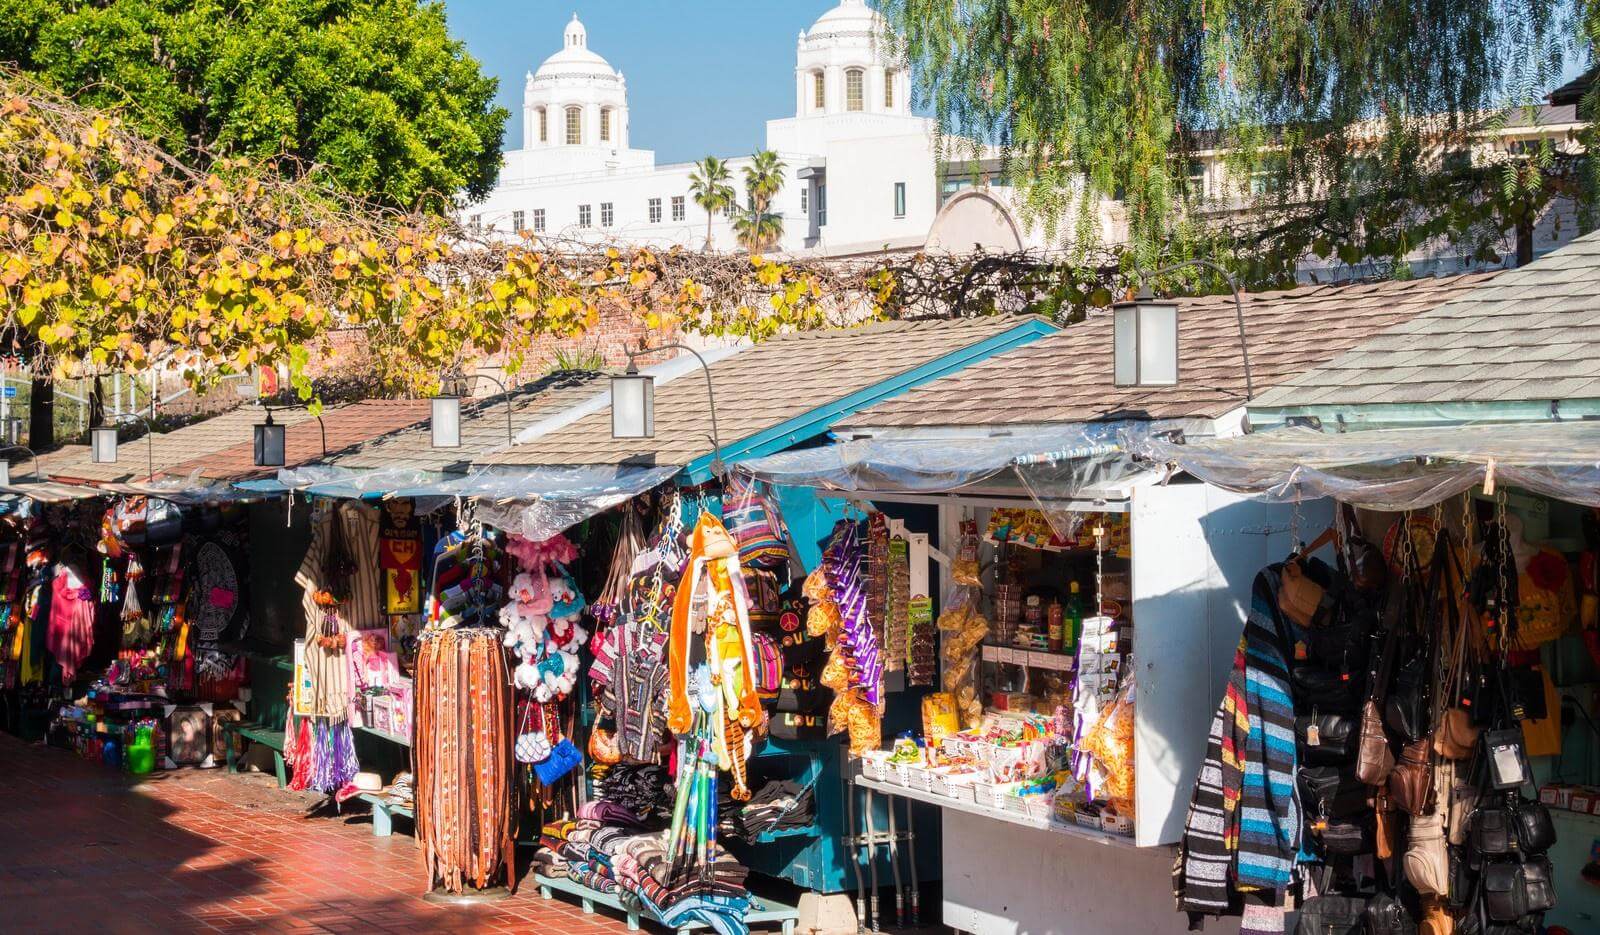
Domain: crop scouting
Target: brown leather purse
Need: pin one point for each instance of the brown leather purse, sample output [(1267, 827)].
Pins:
[(1411, 780), (1299, 598), (1374, 759), (1457, 736)]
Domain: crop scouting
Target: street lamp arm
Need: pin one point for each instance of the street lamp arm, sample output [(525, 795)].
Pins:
[(711, 396), (323, 426), (1238, 308), (510, 438), (30, 451)]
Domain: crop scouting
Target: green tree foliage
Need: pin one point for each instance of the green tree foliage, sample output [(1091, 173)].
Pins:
[(374, 95), (758, 226), (1346, 112), (711, 187)]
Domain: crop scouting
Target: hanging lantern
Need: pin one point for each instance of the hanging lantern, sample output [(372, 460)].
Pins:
[(446, 421), (633, 404), (270, 443), (1145, 341), (103, 444)]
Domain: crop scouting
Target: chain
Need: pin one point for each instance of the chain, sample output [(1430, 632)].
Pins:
[(1504, 553), (1294, 526), (1099, 564), (1468, 521), (1407, 547)]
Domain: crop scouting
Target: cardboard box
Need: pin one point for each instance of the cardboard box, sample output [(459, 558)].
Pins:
[(1583, 800), (1557, 794)]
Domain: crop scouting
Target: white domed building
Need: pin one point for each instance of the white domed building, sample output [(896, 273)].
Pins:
[(862, 172)]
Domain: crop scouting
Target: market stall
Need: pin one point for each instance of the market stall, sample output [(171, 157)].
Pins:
[(1086, 615), (1445, 687)]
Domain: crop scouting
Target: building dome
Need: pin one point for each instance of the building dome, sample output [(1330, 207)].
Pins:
[(575, 98), (575, 60), (847, 63), (851, 19)]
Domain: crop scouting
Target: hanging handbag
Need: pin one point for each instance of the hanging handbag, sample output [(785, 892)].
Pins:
[(1411, 780), (1301, 599), (1538, 887), (1491, 834), (1457, 736), (1427, 859), (1332, 792), (1374, 759), (1387, 837), (1405, 707), (1331, 915), (1324, 689), (1463, 802), (1436, 920), (1345, 837), (1505, 894), (1384, 914), (1536, 832), (1325, 738), (1507, 761)]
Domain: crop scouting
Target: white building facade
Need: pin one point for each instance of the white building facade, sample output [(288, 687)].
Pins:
[(861, 171)]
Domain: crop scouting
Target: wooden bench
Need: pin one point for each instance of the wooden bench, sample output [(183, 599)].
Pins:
[(256, 733), (761, 910), (383, 813)]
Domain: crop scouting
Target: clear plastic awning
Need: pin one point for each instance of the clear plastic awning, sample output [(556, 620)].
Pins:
[(533, 502), (1399, 468)]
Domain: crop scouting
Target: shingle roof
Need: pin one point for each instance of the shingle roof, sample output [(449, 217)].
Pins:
[(166, 449), (346, 425), (1067, 377), (483, 426), (1529, 334), (223, 446), (762, 387)]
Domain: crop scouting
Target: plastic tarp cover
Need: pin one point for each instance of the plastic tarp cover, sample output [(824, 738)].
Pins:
[(936, 463), (1396, 468), (535, 503)]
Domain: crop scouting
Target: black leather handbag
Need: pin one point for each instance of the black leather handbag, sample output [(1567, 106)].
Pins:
[(1325, 690), (1491, 833), (1536, 832), (1332, 792), (1386, 915), (1405, 708), (1331, 915), (1326, 738), (1505, 894), (1347, 837)]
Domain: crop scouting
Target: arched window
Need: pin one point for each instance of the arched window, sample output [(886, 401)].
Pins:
[(854, 89), (544, 125), (888, 89), (605, 124), (819, 91), (574, 125)]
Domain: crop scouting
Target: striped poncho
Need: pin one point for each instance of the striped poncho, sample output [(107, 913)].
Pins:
[(1243, 826)]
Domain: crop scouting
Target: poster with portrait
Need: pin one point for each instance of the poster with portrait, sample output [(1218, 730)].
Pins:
[(400, 556)]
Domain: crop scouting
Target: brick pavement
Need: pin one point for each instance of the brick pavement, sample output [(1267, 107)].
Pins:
[(84, 848)]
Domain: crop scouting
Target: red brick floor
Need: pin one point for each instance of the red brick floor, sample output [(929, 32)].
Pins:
[(84, 848)]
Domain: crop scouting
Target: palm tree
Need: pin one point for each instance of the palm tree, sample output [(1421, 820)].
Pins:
[(760, 227), (711, 186)]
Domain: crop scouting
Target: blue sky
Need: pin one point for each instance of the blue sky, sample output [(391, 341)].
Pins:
[(704, 76)]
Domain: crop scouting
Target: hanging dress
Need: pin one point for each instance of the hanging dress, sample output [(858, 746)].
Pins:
[(71, 632)]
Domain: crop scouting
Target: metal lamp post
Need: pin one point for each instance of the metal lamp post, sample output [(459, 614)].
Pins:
[(445, 421), (633, 401), (1145, 333)]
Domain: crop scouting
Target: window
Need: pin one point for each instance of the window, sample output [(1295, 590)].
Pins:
[(655, 210), (574, 126), (516, 222), (476, 222), (899, 199), (605, 124), (1195, 176), (854, 94), (677, 207), (1267, 178), (538, 220), (607, 215), (544, 125), (585, 218), (888, 89), (805, 200), (822, 206), (819, 90)]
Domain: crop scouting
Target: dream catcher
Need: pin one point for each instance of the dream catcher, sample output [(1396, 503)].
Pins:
[(214, 605)]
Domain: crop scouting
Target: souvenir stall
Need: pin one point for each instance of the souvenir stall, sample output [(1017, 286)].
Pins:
[(120, 609), (1444, 674), (1085, 613)]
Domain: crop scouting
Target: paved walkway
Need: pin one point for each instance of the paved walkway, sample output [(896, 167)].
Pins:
[(84, 848)]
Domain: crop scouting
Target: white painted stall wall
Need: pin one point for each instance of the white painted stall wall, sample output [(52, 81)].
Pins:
[(1002, 879)]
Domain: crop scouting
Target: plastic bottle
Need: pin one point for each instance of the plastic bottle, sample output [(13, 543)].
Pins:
[(1072, 627)]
